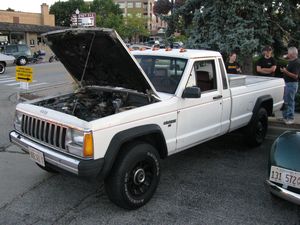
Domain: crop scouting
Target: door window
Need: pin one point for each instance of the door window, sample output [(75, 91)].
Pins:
[(205, 73)]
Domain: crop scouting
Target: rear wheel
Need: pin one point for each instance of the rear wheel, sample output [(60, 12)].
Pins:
[(134, 176), (257, 129), (2, 67)]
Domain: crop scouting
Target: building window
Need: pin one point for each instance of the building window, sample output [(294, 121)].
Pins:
[(138, 5), (129, 4), (121, 5), (32, 43), (17, 38)]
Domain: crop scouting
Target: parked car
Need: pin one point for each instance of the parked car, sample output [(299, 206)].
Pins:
[(5, 60), (139, 47), (21, 52), (284, 167)]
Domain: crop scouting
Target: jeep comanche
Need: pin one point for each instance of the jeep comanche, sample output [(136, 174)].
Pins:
[(132, 109)]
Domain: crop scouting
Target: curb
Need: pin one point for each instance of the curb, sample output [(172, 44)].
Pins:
[(276, 123)]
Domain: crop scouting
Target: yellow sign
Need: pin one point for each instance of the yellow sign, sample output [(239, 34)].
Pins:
[(23, 73)]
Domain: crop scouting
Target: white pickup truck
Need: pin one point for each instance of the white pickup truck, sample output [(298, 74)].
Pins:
[(133, 109)]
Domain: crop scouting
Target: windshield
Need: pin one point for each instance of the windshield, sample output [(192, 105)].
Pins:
[(164, 72)]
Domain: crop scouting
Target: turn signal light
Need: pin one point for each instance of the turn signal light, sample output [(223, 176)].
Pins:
[(88, 146)]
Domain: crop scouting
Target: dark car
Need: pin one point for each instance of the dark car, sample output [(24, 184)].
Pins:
[(21, 52), (284, 167)]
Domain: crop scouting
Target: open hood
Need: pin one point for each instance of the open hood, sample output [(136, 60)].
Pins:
[(98, 56)]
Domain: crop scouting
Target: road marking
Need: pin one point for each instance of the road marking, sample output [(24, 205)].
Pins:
[(7, 81), (17, 83), (7, 78), (3, 76), (33, 85)]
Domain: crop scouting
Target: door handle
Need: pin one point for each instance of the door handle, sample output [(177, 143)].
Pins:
[(217, 97)]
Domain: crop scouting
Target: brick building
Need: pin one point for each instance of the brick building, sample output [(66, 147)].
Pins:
[(26, 28)]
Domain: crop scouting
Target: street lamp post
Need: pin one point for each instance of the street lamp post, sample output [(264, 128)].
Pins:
[(77, 14)]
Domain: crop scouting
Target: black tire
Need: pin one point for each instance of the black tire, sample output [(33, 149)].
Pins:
[(2, 68), (22, 61), (256, 131), (134, 176), (51, 59), (47, 168)]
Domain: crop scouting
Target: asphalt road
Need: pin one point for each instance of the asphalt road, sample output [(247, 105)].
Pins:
[(219, 182)]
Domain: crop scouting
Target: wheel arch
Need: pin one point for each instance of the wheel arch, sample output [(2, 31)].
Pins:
[(150, 133), (3, 62), (265, 101)]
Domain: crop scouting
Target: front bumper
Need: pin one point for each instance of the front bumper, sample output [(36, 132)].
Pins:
[(283, 193), (58, 160)]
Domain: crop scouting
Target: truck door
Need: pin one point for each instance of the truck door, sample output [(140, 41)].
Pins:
[(199, 119)]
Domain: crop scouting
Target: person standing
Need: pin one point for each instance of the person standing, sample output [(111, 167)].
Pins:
[(266, 65), (232, 66), (291, 77)]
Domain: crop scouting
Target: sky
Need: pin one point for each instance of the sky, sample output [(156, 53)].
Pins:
[(25, 5)]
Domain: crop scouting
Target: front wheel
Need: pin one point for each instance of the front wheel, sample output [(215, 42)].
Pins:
[(134, 176), (2, 67), (257, 129)]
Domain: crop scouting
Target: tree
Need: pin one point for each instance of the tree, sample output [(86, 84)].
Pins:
[(241, 25), (64, 10), (108, 14), (162, 7), (134, 26)]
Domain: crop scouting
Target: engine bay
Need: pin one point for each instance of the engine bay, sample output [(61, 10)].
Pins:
[(93, 103)]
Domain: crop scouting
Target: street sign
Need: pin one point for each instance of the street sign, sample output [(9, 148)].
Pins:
[(24, 74), (83, 20)]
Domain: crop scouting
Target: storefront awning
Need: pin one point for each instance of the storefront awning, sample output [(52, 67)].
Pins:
[(17, 27)]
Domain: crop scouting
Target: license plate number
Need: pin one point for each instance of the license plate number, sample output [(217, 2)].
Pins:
[(285, 177), (37, 156)]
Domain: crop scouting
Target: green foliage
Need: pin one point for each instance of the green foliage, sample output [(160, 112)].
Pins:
[(108, 14), (134, 26), (162, 7), (241, 25), (64, 10)]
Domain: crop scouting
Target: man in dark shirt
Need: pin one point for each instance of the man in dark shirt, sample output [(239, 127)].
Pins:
[(266, 65), (291, 76)]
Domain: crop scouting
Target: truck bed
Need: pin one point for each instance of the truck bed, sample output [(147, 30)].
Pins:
[(245, 89), (237, 80)]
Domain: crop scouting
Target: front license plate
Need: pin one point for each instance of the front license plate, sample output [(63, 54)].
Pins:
[(286, 177), (36, 156)]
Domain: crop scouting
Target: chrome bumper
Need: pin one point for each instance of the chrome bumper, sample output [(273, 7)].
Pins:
[(283, 193), (52, 157)]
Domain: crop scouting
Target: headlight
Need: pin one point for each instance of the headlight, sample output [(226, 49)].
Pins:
[(18, 120), (80, 143)]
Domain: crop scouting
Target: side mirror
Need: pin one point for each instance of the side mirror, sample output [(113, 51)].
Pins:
[(191, 92)]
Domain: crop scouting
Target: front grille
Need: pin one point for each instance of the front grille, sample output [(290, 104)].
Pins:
[(50, 133)]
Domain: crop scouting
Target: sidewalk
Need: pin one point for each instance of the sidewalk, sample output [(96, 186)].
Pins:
[(275, 122)]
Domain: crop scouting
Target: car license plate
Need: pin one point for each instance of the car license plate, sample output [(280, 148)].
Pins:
[(286, 177), (36, 156)]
